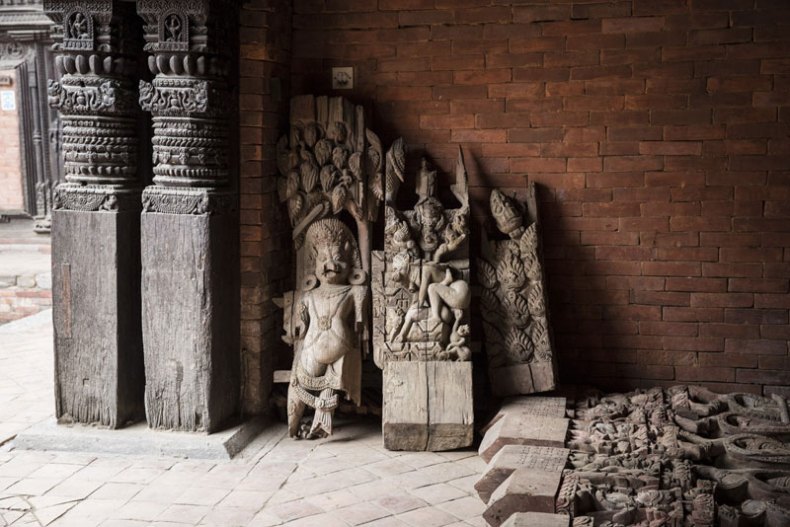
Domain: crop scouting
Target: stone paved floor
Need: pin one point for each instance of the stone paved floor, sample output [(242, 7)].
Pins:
[(349, 479)]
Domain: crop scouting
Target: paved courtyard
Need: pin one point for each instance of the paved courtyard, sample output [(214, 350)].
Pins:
[(349, 479)]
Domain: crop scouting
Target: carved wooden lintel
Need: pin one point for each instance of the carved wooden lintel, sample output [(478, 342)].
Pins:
[(188, 201), (92, 198)]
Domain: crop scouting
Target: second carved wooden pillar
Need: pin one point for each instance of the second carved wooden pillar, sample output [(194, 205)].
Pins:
[(189, 221)]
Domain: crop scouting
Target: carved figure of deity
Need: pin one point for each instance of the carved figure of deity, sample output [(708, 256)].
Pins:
[(331, 310), (330, 166), (427, 260), (172, 28), (78, 26), (421, 299)]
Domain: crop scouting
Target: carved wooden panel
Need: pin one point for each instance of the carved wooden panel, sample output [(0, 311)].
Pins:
[(513, 300), (421, 298), (330, 167)]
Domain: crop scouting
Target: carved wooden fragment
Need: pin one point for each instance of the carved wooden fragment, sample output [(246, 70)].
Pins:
[(96, 233), (512, 457), (537, 519), (330, 167), (190, 219), (525, 490), (678, 456), (421, 299), (514, 308)]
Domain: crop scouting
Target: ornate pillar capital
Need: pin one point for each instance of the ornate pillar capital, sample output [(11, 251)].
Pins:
[(190, 45), (96, 43)]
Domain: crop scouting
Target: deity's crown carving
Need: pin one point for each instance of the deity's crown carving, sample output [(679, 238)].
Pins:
[(508, 217)]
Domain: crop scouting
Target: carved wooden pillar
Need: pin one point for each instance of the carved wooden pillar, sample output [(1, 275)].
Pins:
[(189, 219), (96, 229)]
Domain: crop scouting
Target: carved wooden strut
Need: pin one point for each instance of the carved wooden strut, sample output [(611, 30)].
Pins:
[(514, 310), (331, 170), (421, 298)]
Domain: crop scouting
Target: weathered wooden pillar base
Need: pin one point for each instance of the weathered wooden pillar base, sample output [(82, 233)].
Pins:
[(99, 375), (190, 314), (428, 405)]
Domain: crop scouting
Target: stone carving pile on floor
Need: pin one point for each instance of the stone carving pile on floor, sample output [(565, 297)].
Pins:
[(676, 456)]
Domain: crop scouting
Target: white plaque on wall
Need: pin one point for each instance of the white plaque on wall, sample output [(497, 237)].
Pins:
[(7, 100)]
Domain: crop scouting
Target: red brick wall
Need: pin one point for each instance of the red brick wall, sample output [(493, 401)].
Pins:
[(658, 130), (265, 34)]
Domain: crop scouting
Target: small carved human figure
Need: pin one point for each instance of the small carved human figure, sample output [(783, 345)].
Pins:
[(172, 28), (446, 296), (78, 26), (332, 315)]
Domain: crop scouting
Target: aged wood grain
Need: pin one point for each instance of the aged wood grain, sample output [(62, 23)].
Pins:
[(99, 374), (428, 405), (190, 320)]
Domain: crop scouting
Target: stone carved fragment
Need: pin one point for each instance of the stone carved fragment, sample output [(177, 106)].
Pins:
[(679, 456), (330, 168), (515, 318), (421, 298)]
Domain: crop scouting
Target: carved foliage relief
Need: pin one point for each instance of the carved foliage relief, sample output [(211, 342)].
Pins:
[(421, 280), (513, 299)]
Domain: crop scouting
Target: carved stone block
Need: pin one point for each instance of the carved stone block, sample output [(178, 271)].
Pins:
[(525, 490), (427, 405), (190, 311), (530, 405), (537, 519), (523, 429), (99, 374), (512, 457), (514, 307)]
